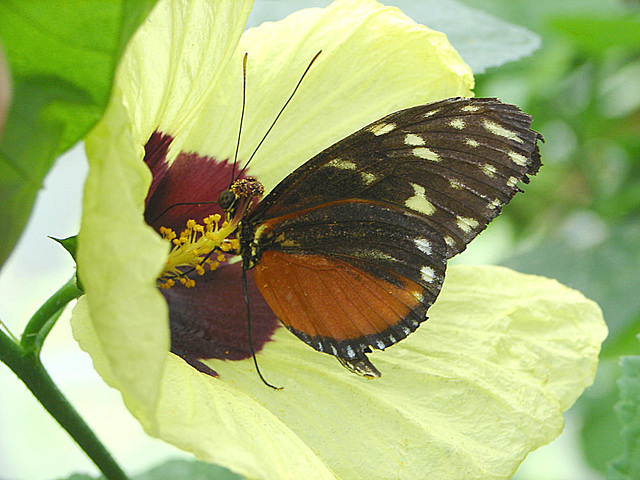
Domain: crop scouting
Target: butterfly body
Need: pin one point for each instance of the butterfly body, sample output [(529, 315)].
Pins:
[(350, 249)]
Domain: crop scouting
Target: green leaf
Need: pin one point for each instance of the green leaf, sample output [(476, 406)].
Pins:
[(70, 244), (627, 465), (597, 418), (81, 476), (187, 470), (173, 470), (597, 35), (62, 59)]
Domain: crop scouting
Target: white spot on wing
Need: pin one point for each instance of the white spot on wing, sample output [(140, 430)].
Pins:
[(341, 164), (412, 139), (450, 241), (455, 184), (470, 108), (466, 224), (418, 202), (427, 154), (428, 274), (471, 142), (431, 113), (368, 178), (423, 245), (350, 352), (382, 128), (512, 182), (488, 170), (500, 131), (493, 205), (517, 158), (458, 123), (380, 344)]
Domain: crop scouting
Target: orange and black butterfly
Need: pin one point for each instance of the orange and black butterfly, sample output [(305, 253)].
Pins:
[(350, 250)]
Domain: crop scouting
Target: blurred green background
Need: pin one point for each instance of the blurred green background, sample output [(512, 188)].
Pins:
[(579, 221)]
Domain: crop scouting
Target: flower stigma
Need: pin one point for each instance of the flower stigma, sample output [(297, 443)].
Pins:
[(195, 248)]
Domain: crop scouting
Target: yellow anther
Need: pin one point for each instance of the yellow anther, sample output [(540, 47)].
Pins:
[(193, 247)]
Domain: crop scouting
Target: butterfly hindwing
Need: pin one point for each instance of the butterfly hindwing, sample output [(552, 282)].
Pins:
[(350, 249), (349, 276)]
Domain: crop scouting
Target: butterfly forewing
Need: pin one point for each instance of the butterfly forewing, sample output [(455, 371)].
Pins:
[(350, 249), (456, 162)]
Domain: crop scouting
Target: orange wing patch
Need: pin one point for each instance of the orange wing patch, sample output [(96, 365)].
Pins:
[(326, 299)]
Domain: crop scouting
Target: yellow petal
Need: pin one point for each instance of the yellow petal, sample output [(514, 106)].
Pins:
[(119, 259), (469, 395), (374, 61), (175, 60)]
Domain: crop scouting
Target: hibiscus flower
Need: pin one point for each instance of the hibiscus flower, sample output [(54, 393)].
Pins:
[(468, 395)]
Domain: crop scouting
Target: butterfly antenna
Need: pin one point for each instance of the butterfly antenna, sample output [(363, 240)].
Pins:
[(253, 352), (244, 101), (280, 113)]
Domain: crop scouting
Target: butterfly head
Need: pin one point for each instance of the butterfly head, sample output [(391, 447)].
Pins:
[(236, 200)]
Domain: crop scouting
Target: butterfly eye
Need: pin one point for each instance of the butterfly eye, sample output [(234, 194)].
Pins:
[(226, 200)]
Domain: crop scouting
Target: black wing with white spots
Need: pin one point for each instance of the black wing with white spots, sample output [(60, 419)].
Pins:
[(455, 162), (350, 249)]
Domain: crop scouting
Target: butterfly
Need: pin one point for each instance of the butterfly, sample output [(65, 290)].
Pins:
[(350, 249)]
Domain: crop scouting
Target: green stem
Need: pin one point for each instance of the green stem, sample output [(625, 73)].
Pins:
[(43, 320), (27, 366)]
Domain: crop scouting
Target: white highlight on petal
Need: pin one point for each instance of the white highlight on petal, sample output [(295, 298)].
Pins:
[(412, 139), (466, 224), (423, 245), (427, 154), (418, 202), (428, 274), (500, 131), (517, 158), (382, 128), (458, 123), (471, 142), (488, 170)]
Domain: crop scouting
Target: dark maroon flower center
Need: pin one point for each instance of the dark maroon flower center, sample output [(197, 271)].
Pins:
[(210, 319)]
